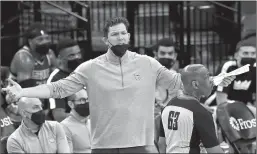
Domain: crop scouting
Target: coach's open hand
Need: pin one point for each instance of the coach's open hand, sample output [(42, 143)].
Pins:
[(13, 91)]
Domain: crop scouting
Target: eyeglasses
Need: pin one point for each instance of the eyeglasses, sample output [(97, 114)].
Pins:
[(82, 100)]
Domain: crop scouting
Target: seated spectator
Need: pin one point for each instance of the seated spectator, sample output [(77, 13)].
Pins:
[(33, 63), (243, 88), (77, 125), (185, 123), (69, 57), (35, 135), (165, 52)]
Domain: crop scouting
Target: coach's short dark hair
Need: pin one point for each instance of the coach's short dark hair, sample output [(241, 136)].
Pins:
[(65, 43), (114, 21)]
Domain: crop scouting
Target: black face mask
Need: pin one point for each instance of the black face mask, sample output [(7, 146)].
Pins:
[(167, 62), (42, 49), (38, 117), (250, 61), (82, 109), (73, 64), (120, 50)]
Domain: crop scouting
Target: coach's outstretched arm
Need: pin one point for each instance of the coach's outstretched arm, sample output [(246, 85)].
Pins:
[(15, 91), (172, 81), (59, 89)]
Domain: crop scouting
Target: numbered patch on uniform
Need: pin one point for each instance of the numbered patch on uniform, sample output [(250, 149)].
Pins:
[(173, 120)]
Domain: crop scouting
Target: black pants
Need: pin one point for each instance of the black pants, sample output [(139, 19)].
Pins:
[(139, 149)]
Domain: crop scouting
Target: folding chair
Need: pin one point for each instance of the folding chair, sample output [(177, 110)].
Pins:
[(238, 125)]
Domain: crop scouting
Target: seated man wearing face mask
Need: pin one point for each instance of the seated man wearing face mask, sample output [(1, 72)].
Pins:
[(166, 54), (77, 125), (35, 135), (69, 57), (33, 63), (243, 88)]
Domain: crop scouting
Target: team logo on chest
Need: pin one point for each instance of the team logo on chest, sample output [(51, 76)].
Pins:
[(40, 74), (5, 121), (241, 85), (137, 76)]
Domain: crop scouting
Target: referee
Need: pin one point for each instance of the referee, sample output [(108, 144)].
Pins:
[(185, 123)]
